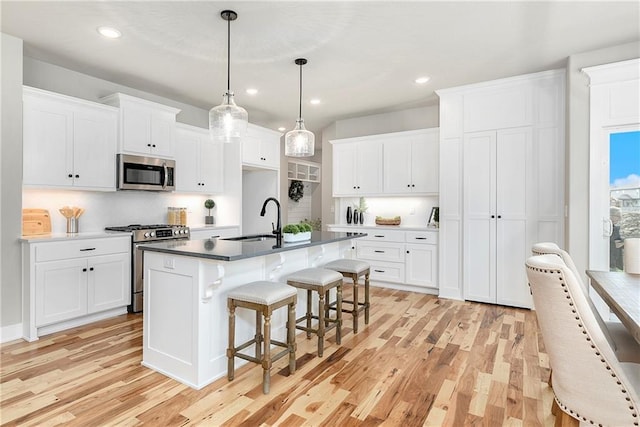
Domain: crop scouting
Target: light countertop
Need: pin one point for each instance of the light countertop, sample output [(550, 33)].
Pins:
[(382, 227)]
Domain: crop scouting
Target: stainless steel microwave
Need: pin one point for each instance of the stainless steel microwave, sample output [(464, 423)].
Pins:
[(145, 173)]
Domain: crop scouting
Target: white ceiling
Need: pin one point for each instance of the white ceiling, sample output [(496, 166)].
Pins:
[(363, 56)]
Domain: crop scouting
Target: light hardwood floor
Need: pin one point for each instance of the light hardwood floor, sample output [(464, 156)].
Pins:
[(421, 361)]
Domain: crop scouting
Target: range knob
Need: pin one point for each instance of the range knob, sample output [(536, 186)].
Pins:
[(146, 235), (153, 234), (175, 232)]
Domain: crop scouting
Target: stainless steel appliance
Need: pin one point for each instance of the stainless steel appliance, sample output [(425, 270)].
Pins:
[(145, 173), (145, 234)]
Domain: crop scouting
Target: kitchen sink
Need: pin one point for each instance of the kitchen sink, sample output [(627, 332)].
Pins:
[(251, 238)]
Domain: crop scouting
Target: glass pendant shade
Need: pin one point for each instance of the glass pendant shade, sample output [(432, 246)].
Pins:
[(299, 142), (227, 121)]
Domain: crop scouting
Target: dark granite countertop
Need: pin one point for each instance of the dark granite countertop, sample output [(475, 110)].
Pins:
[(229, 250)]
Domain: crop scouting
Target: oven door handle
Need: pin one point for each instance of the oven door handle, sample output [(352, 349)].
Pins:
[(166, 175)]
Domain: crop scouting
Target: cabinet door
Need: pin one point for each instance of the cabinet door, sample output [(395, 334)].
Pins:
[(344, 170), (187, 153), (425, 159), (397, 166), (211, 164), (422, 265), (515, 219), (94, 148), (479, 271), (136, 128), (109, 282), (270, 152), (369, 167), (163, 128), (61, 290), (48, 143)]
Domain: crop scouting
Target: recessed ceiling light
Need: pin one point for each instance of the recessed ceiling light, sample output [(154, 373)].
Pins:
[(252, 91), (282, 128), (314, 101), (422, 80), (109, 32)]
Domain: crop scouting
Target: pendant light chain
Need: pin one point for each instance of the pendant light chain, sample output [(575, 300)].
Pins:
[(228, 55), (300, 111)]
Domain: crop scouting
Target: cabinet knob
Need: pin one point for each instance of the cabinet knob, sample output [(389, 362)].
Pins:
[(91, 269), (148, 145), (84, 269), (153, 145), (408, 185), (413, 185), (77, 176), (493, 216), (499, 216), (407, 251), (70, 176)]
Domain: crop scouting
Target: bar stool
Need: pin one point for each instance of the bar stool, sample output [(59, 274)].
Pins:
[(264, 297), (353, 269), (320, 280)]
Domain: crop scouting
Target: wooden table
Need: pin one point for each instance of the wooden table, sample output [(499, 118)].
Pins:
[(621, 292)]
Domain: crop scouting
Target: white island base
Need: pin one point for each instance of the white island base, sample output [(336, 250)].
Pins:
[(185, 334)]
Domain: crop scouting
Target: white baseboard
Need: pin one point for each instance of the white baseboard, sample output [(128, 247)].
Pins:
[(11, 333)]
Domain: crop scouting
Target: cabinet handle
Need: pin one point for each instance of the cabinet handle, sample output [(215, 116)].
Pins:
[(378, 235), (499, 216), (421, 238), (379, 252), (379, 271), (148, 145), (407, 251), (91, 269), (493, 216), (87, 249), (77, 176), (70, 176), (413, 185), (408, 185), (84, 269), (153, 145)]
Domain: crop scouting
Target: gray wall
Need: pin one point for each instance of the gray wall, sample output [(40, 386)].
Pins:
[(577, 146), (11, 186)]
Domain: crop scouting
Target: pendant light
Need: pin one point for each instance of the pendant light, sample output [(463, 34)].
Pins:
[(227, 121), (299, 142)]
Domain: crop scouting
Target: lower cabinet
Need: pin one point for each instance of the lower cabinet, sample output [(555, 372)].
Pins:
[(74, 281), (395, 256)]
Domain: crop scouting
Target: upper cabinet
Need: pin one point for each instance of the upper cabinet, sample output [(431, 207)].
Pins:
[(68, 142), (357, 167), (411, 163), (199, 161), (400, 163), (146, 128), (261, 148)]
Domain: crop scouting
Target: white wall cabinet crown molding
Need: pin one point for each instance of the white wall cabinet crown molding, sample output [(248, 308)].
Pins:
[(68, 142), (145, 127), (199, 161)]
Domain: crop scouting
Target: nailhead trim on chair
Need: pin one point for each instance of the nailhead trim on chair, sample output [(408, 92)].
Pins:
[(593, 346)]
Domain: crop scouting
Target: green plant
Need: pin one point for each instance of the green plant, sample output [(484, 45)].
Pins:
[(291, 228), (209, 204), (316, 224), (304, 227)]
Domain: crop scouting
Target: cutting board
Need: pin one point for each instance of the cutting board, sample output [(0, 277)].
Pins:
[(35, 222)]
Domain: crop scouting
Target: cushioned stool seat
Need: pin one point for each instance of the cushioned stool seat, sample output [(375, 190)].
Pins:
[(320, 280), (353, 269), (264, 297)]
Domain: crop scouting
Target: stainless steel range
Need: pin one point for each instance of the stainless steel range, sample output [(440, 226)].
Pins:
[(145, 234)]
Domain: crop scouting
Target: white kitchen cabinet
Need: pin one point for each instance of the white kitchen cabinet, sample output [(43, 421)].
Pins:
[(146, 128), (421, 258), (69, 283), (261, 148), (411, 162), (68, 142), (302, 170), (405, 260), (357, 167), (501, 180), (199, 161)]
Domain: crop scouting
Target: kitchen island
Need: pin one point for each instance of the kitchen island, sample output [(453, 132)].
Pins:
[(186, 284)]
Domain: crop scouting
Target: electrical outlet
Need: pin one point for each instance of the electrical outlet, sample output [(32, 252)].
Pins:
[(170, 262), (412, 210)]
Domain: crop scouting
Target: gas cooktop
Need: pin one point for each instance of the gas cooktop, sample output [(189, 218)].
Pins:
[(135, 227)]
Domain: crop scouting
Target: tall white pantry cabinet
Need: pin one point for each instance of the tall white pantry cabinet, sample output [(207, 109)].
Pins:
[(501, 183)]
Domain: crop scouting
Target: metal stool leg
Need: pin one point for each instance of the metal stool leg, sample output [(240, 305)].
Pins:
[(231, 351), (354, 313), (339, 314), (309, 313), (266, 358), (366, 298), (321, 324), (291, 337)]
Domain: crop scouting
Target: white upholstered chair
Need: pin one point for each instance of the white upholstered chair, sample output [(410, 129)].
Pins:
[(589, 383), (625, 346)]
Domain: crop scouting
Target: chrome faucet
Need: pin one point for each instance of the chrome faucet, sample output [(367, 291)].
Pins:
[(277, 229)]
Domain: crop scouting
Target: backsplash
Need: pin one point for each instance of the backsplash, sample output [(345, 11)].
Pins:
[(122, 207), (414, 211)]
